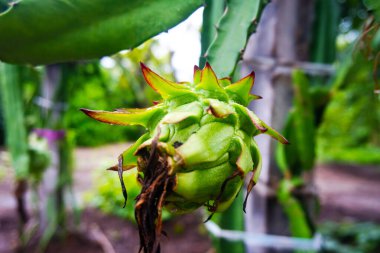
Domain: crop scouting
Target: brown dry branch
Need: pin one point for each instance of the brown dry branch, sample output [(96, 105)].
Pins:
[(155, 184)]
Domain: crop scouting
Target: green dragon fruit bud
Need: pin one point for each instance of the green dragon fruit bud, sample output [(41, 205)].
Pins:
[(198, 147)]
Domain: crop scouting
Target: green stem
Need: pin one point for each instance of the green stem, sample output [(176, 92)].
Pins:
[(15, 133), (16, 136), (232, 219)]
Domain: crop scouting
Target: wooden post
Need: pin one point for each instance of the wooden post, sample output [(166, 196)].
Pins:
[(282, 38)]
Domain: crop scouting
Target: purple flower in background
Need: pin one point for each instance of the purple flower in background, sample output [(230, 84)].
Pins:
[(49, 134)]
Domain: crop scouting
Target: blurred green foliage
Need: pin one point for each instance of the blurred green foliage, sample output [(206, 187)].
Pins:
[(350, 131), (350, 237), (353, 13), (107, 195), (40, 157), (108, 198)]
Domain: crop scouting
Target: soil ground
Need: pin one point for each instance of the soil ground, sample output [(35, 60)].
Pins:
[(347, 193)]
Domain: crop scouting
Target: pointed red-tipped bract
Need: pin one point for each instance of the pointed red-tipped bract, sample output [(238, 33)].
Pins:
[(209, 81), (240, 90), (257, 122), (167, 89), (254, 97), (125, 116), (274, 134), (197, 75)]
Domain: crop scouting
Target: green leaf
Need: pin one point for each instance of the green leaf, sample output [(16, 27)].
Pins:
[(293, 209), (42, 31)]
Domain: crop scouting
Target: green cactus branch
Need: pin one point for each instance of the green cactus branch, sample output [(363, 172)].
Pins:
[(12, 105), (16, 133), (84, 29), (238, 22), (213, 11)]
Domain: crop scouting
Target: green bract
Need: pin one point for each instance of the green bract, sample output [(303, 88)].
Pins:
[(203, 133)]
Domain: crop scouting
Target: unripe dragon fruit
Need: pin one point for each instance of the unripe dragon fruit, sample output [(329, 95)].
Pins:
[(197, 150)]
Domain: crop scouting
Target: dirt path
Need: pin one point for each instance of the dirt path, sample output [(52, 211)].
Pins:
[(349, 192)]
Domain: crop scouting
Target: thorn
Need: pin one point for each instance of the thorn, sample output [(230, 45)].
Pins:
[(113, 168), (249, 189), (86, 111), (120, 173)]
